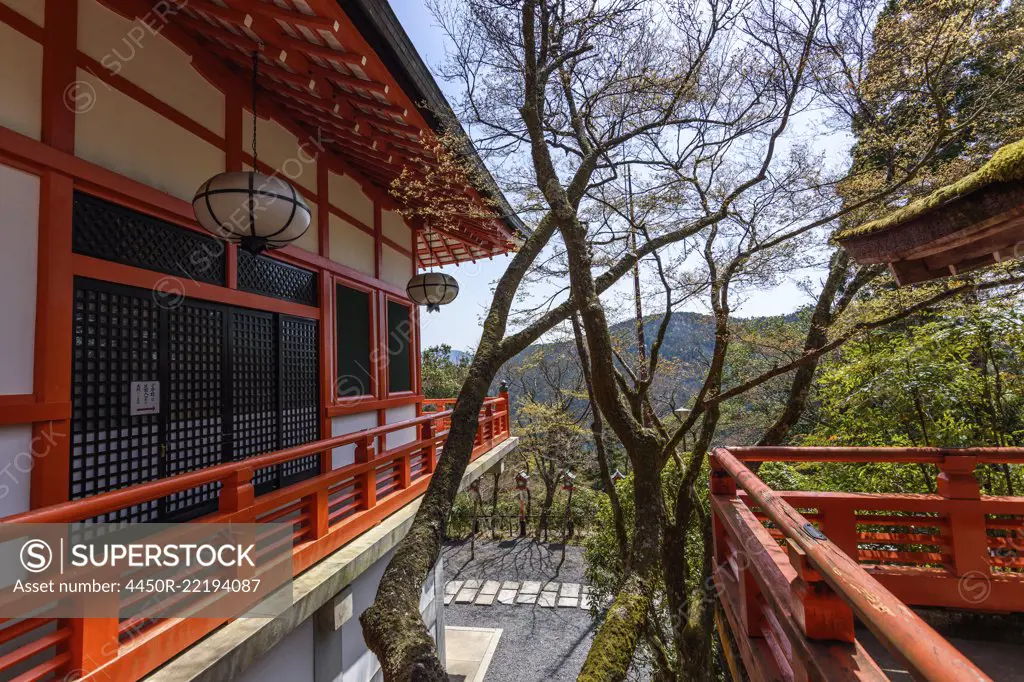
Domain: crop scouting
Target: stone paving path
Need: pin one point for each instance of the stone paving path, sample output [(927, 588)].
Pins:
[(546, 594)]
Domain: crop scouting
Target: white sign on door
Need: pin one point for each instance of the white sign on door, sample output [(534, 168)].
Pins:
[(145, 398)]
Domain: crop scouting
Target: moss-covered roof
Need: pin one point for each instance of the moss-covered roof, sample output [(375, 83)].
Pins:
[(1006, 165)]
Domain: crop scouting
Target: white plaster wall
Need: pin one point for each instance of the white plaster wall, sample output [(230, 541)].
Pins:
[(310, 241), (351, 246), (281, 149), (346, 194), (135, 52), (33, 9), (395, 268), (395, 228), (21, 82), (349, 423), (120, 134), (400, 414), (359, 662), (290, 661), (15, 468), (19, 225)]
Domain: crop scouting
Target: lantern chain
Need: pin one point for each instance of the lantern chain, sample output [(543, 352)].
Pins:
[(255, 72)]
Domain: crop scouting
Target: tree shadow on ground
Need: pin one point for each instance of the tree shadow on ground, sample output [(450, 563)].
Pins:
[(518, 559)]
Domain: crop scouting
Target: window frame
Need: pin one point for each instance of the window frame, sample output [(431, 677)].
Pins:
[(374, 340), (413, 345)]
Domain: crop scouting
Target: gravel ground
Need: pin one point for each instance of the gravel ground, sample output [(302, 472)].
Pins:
[(536, 643)]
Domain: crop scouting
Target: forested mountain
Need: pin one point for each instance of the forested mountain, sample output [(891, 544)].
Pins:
[(685, 353)]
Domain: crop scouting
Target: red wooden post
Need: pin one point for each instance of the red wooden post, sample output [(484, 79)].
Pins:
[(430, 436), (721, 484), (319, 514), (367, 480), (503, 394), (751, 613), (820, 611), (93, 642), (237, 493), (839, 523), (405, 471), (968, 536)]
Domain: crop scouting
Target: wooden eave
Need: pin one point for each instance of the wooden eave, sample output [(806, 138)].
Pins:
[(966, 233), (321, 80)]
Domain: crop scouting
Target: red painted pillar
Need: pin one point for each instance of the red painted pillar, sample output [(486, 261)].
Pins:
[(968, 535), (368, 480)]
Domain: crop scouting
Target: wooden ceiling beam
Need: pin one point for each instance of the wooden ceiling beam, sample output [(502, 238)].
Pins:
[(314, 22), (241, 60), (271, 33), (216, 11), (349, 59)]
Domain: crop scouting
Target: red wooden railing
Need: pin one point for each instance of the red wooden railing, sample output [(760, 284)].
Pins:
[(325, 512), (792, 582)]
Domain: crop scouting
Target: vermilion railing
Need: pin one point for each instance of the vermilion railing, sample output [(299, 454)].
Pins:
[(325, 511), (790, 582)]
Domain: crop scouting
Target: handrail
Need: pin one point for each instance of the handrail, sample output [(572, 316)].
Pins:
[(904, 633), (113, 500), (325, 511), (927, 455)]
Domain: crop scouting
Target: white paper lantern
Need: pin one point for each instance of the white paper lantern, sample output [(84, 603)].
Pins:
[(251, 209), (432, 289)]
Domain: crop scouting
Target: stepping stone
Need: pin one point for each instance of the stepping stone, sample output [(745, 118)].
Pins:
[(550, 587), (484, 599), (585, 602), (490, 587), (530, 587), (570, 590), (547, 599), (568, 601), (527, 599), (453, 587), (507, 597), (448, 598), (465, 596), (473, 584), (510, 585)]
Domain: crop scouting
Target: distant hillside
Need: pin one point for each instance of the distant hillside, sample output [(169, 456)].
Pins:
[(457, 356), (689, 341)]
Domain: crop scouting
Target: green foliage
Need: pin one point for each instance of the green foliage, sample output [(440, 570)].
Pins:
[(601, 550), (442, 376), (952, 378), (941, 112)]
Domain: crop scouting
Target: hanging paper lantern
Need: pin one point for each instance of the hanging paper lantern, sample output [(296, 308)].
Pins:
[(254, 210), (432, 289), (248, 208)]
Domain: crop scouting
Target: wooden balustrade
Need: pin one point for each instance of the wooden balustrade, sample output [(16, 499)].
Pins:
[(791, 584), (325, 512)]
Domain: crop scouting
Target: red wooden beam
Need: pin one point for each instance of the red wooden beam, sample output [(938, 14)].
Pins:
[(902, 631)]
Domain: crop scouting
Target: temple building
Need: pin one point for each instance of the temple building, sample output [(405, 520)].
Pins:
[(154, 371)]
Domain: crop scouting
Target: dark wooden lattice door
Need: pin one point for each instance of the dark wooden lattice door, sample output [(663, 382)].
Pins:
[(233, 383), (116, 341), (197, 410)]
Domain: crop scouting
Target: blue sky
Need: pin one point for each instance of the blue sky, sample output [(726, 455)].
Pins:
[(458, 324)]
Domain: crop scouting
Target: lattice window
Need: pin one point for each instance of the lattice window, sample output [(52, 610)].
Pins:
[(111, 232), (300, 393), (195, 395), (270, 277), (116, 342), (254, 390)]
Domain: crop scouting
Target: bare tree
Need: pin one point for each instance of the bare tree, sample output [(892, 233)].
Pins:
[(711, 103)]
